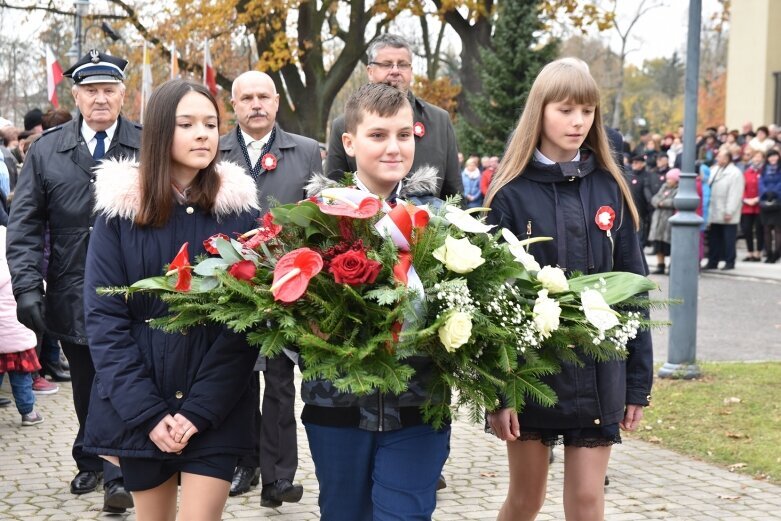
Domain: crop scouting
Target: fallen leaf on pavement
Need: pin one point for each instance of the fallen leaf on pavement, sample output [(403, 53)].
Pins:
[(736, 466), (488, 474), (731, 498)]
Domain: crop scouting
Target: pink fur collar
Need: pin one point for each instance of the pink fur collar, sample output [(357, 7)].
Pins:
[(118, 189)]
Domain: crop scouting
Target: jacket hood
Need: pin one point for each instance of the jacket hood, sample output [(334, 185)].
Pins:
[(118, 189), (422, 181)]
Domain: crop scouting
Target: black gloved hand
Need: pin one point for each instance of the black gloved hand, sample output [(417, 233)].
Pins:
[(30, 310)]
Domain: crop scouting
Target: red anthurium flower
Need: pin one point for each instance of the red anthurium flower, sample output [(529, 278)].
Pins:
[(419, 129), (181, 267), (267, 231), (368, 207), (293, 273), (209, 244), (268, 161), (243, 270), (604, 218)]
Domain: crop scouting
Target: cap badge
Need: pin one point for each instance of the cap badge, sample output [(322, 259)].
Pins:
[(94, 56)]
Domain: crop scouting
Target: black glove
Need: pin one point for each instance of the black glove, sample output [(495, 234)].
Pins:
[(30, 310)]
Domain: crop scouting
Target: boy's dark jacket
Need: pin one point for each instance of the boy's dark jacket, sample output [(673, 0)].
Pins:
[(143, 373), (596, 393)]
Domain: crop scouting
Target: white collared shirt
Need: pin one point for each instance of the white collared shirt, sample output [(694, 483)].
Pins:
[(541, 158), (89, 136), (254, 146)]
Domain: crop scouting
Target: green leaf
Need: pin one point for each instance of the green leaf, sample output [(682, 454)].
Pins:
[(208, 267), (160, 283), (620, 285), (227, 251)]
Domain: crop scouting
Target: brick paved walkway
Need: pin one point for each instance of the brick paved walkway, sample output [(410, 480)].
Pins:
[(646, 482)]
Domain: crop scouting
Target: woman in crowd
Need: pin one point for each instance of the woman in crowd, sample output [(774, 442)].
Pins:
[(171, 407), (726, 199), (470, 177), (770, 206), (556, 175), (660, 233), (750, 224)]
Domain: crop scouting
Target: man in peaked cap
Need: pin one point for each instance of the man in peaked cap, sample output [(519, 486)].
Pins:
[(54, 194)]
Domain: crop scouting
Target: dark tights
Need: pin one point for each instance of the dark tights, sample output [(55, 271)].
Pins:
[(773, 242)]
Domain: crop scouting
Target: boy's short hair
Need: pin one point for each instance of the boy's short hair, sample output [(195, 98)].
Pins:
[(375, 98)]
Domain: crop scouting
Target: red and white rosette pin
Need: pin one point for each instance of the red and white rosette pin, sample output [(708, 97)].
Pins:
[(419, 129), (268, 162), (604, 218)]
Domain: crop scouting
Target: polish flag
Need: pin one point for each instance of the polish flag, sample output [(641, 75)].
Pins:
[(209, 74), (53, 76)]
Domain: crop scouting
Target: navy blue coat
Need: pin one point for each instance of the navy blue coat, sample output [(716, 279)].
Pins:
[(143, 373), (596, 393)]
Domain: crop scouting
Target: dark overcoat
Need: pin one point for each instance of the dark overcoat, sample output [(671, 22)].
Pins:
[(596, 393), (55, 186), (143, 373)]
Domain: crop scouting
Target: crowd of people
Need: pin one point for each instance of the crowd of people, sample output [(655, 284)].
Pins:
[(164, 417)]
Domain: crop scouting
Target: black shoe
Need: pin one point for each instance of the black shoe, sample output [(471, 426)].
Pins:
[(728, 267), (441, 483), (5, 402), (710, 266), (85, 481), (659, 270), (244, 478), (607, 480), (273, 494), (116, 500), (55, 371)]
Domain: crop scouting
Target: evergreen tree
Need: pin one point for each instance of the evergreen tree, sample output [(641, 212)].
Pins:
[(508, 71)]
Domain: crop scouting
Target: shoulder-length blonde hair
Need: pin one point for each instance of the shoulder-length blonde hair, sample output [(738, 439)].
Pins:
[(566, 79)]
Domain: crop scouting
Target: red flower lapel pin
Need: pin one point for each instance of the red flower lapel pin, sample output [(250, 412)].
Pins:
[(419, 129), (604, 218), (268, 162)]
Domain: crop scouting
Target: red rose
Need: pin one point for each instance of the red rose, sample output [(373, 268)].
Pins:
[(353, 267), (243, 270)]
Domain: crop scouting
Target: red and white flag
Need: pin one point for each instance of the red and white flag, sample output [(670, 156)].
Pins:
[(53, 76), (209, 74)]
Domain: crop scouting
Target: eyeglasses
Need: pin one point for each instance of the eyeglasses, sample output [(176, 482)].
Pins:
[(386, 66)]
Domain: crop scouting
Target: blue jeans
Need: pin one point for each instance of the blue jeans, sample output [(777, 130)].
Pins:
[(378, 476), (22, 389)]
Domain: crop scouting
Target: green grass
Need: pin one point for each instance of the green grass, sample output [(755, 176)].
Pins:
[(730, 417)]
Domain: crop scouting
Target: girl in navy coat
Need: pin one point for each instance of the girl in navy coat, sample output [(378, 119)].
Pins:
[(558, 179), (167, 407)]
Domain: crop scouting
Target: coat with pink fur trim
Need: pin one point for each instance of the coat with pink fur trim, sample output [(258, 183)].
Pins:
[(16, 337), (143, 373)]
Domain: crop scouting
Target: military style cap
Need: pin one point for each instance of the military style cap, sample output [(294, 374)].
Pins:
[(97, 67)]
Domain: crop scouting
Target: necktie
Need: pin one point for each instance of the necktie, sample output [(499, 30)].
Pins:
[(100, 146)]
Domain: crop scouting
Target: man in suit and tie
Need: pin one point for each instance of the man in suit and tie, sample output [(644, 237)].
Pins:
[(55, 191), (281, 164)]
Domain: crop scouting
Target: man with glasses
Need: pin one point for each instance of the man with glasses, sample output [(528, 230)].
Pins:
[(390, 62)]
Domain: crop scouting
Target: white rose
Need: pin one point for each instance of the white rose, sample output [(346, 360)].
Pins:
[(597, 311), (553, 279), (459, 255), (456, 331), (546, 314), (464, 221)]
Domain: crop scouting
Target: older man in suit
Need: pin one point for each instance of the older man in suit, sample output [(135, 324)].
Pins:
[(281, 164)]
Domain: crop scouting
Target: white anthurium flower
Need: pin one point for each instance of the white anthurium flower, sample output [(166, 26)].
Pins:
[(546, 313), (518, 249), (459, 255), (463, 220), (597, 310), (553, 279)]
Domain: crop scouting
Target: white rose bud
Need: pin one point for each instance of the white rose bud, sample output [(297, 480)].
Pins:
[(546, 314), (456, 331), (459, 255), (597, 311), (553, 279)]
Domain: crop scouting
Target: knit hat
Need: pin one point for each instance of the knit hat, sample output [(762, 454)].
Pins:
[(673, 174)]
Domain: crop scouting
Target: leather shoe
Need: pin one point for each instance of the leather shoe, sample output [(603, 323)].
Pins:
[(85, 481), (273, 494), (116, 500), (55, 371), (441, 483), (244, 478), (5, 402)]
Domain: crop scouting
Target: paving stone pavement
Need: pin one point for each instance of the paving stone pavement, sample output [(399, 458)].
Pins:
[(646, 482)]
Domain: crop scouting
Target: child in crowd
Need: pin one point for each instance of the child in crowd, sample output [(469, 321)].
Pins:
[(660, 233), (17, 348), (556, 177), (375, 458), (173, 408)]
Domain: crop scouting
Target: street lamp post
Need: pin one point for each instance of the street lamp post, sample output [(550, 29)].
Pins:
[(684, 261), (81, 7)]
